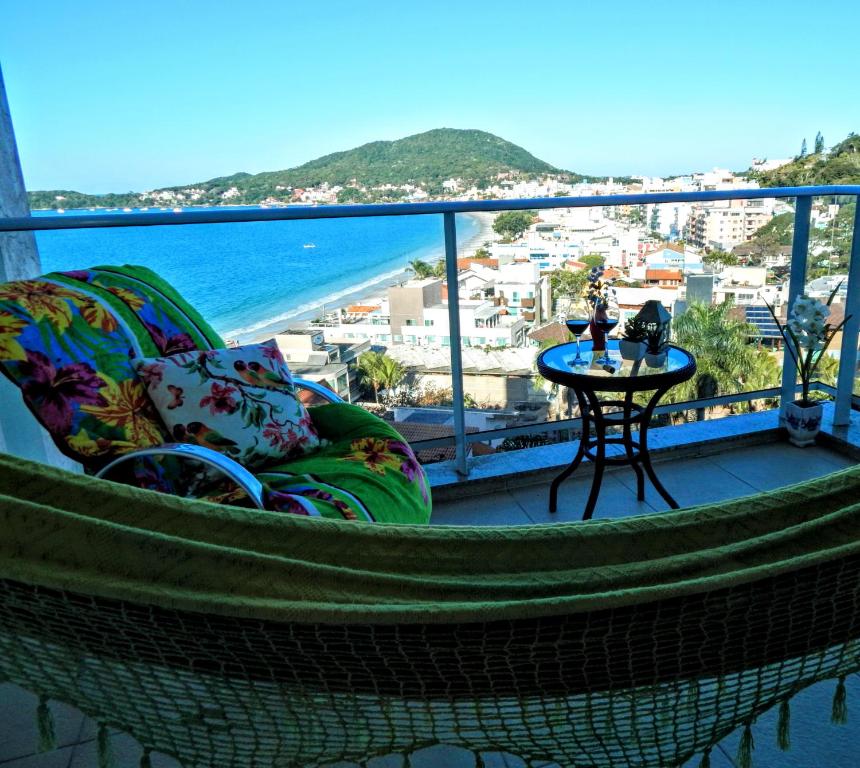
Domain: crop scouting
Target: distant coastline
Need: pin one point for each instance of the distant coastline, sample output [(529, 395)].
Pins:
[(375, 292)]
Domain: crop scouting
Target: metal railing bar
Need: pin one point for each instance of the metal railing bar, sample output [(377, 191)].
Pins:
[(293, 212), (796, 282), (456, 351), (558, 426), (850, 331)]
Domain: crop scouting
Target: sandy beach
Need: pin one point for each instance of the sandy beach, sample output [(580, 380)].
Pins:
[(373, 294)]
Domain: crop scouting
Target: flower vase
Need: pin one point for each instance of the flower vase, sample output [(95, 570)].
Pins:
[(598, 337), (803, 422)]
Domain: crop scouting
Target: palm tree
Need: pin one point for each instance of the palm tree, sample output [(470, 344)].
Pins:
[(391, 373), (370, 371), (420, 269), (379, 371), (725, 359)]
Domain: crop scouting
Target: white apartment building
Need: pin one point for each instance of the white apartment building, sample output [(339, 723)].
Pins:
[(481, 324), (724, 224), (523, 292), (669, 219)]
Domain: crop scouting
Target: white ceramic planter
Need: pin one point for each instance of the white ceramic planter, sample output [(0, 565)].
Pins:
[(632, 350), (803, 423)]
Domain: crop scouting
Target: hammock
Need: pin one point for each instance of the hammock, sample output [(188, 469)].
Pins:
[(227, 636)]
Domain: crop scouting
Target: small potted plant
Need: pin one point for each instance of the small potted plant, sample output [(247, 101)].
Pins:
[(807, 336), (655, 341), (632, 343)]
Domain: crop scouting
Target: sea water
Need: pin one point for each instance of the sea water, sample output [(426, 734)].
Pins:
[(253, 278)]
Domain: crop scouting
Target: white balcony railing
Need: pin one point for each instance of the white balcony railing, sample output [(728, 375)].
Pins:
[(843, 393)]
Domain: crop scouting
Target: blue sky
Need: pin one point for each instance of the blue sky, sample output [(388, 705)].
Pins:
[(109, 96)]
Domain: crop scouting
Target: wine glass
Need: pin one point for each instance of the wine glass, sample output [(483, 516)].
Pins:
[(577, 320), (606, 317)]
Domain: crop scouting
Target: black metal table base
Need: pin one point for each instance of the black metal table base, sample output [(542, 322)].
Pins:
[(594, 448)]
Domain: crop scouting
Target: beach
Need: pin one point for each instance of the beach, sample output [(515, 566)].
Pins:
[(375, 292), (253, 280)]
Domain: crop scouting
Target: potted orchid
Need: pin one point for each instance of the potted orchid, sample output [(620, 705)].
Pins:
[(807, 335)]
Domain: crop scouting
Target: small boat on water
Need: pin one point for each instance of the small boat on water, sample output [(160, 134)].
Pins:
[(61, 210), (126, 210), (177, 210), (308, 245)]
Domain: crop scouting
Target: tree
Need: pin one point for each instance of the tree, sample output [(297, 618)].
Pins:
[(593, 260), (512, 224), (351, 195), (725, 358), (379, 371), (803, 149), (565, 283), (717, 259), (819, 143), (391, 374), (421, 269)]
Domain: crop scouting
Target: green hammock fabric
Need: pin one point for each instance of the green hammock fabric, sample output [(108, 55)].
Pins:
[(77, 533), (224, 636)]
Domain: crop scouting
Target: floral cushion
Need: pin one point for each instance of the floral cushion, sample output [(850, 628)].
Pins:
[(67, 340), (240, 401)]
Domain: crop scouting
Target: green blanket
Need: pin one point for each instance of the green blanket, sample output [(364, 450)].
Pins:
[(89, 536)]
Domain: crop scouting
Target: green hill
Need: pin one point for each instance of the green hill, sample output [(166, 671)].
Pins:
[(424, 160), (839, 166)]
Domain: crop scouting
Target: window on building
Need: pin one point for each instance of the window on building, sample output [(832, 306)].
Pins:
[(446, 341)]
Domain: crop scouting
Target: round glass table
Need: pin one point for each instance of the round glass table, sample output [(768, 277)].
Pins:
[(625, 377)]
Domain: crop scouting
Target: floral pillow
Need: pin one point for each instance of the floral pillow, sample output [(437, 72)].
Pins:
[(239, 401)]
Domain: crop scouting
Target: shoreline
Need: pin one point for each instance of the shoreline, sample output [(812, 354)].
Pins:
[(376, 292)]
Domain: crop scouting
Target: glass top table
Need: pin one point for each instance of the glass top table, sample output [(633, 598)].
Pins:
[(612, 420)]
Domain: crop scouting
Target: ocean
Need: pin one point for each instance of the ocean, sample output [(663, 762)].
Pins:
[(251, 279)]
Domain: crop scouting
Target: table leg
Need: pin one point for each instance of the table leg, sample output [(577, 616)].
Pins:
[(643, 449), (599, 457), (577, 459), (628, 447)]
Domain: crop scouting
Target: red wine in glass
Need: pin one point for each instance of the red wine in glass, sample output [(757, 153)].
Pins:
[(607, 324), (577, 320), (577, 327)]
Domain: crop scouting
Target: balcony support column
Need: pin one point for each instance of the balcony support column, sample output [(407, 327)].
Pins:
[(796, 282), (456, 350), (19, 257), (20, 433), (850, 331)]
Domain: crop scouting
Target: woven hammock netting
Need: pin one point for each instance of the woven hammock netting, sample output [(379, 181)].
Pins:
[(641, 683)]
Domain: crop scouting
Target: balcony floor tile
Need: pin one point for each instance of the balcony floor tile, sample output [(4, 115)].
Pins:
[(495, 509), (692, 481)]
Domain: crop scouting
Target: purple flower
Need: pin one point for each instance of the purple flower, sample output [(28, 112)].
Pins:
[(78, 274), (53, 392), (169, 345)]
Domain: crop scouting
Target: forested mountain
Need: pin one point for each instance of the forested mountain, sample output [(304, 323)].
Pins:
[(424, 160), (841, 165)]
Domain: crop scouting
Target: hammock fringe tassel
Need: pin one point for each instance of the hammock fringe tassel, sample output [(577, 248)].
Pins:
[(145, 759), (746, 747), (45, 723), (783, 727), (839, 713), (705, 762)]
